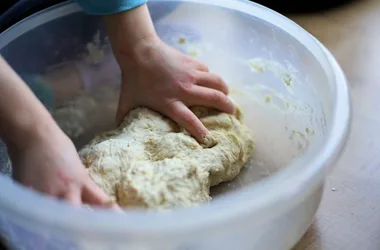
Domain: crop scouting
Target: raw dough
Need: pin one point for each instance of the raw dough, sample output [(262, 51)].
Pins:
[(150, 162)]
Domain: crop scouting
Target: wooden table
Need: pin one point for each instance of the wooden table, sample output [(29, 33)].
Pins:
[(349, 216)]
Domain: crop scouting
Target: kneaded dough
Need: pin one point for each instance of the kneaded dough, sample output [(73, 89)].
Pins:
[(150, 162)]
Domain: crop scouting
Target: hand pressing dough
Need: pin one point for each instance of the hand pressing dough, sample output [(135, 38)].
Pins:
[(150, 162)]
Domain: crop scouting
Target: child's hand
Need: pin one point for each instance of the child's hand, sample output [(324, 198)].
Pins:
[(169, 82), (49, 163), (160, 77), (43, 157)]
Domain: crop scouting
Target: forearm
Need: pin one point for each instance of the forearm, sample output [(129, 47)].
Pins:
[(130, 33), (21, 113), (129, 26), (127, 29)]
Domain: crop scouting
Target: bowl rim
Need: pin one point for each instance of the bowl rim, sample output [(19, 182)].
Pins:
[(296, 181)]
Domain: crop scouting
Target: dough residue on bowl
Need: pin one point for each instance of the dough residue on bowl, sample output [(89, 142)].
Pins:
[(150, 162)]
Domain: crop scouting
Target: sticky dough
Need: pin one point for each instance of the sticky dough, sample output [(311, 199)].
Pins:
[(150, 162)]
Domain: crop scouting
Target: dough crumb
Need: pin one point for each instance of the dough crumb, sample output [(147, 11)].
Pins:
[(149, 162)]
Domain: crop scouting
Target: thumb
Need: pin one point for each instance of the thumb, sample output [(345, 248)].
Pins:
[(94, 195)]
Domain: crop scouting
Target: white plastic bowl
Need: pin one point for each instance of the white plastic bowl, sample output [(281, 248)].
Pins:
[(294, 96)]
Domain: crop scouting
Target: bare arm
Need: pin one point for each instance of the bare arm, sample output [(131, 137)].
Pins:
[(22, 116), (43, 157), (160, 77), (130, 32)]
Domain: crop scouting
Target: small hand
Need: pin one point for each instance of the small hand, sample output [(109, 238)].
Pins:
[(43, 157), (49, 163), (169, 82)]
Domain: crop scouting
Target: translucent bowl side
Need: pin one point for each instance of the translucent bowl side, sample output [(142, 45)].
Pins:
[(292, 91)]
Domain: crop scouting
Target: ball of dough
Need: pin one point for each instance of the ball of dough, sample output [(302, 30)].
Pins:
[(150, 162)]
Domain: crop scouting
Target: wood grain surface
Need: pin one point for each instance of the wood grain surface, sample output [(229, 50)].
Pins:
[(349, 216)]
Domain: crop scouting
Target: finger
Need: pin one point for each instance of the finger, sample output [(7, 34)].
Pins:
[(211, 98), (125, 104), (93, 195), (188, 120), (113, 206), (202, 67), (212, 81), (73, 195)]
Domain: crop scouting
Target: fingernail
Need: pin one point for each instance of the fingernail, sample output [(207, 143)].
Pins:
[(208, 141), (234, 104)]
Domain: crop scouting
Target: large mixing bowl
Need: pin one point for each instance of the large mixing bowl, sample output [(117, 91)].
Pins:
[(292, 91)]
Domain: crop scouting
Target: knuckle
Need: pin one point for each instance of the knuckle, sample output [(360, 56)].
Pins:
[(187, 60), (217, 96), (188, 118), (218, 79), (187, 89), (225, 101), (204, 67), (171, 105), (185, 81), (186, 77), (193, 77)]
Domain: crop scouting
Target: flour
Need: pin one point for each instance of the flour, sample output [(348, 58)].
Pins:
[(96, 50), (150, 162), (73, 116)]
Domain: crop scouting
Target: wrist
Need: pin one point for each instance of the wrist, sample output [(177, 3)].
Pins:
[(130, 33), (25, 129), (144, 51)]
